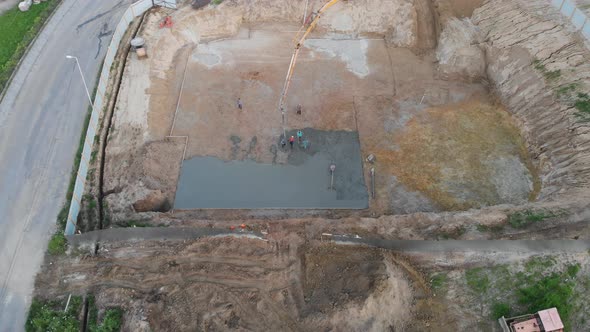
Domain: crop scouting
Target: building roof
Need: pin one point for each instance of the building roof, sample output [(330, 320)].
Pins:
[(551, 320), (530, 325)]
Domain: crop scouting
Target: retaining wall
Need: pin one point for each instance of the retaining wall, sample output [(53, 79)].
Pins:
[(574, 14), (135, 10)]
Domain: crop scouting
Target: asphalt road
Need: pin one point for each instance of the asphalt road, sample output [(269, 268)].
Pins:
[(41, 118)]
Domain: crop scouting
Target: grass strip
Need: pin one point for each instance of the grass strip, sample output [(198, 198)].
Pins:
[(18, 31)]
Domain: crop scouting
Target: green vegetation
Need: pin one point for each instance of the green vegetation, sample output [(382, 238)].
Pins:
[(573, 270), (486, 228), (566, 90), (455, 233), (571, 95), (438, 281), (133, 223), (18, 31), (92, 203), (549, 75), (111, 321), (216, 2), (539, 285), (93, 155), (550, 291), (537, 264), (477, 280), (523, 219), (57, 244), (50, 316), (500, 309), (552, 75), (582, 104)]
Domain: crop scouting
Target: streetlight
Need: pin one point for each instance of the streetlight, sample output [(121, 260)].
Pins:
[(83, 80)]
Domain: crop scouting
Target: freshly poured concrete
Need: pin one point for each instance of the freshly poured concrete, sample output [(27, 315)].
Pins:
[(302, 183)]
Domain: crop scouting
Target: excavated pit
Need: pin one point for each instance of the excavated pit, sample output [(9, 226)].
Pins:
[(408, 78)]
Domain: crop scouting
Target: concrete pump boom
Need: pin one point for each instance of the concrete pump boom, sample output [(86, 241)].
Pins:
[(300, 40)]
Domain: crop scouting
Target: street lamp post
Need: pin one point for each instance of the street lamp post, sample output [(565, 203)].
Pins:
[(82, 75)]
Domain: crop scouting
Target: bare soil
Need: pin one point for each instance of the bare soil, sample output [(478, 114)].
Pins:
[(349, 77), (248, 284)]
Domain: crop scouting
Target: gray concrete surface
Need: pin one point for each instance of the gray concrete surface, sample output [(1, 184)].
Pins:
[(302, 183), (41, 118)]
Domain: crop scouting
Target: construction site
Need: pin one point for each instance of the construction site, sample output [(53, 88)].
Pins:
[(284, 129), (355, 87)]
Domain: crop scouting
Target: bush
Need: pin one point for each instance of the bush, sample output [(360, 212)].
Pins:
[(548, 292), (573, 270), (438, 281), (49, 316), (112, 318), (57, 244), (582, 103), (522, 219), (500, 309), (111, 322)]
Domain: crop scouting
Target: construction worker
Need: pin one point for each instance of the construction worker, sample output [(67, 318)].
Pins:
[(239, 103), (292, 141), (305, 144), (299, 136)]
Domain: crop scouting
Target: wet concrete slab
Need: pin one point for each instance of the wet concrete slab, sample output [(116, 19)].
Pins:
[(302, 183)]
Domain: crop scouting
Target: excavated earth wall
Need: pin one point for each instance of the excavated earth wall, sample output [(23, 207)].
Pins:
[(532, 57)]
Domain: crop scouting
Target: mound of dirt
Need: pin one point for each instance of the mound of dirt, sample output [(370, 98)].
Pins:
[(458, 53), (363, 289), (335, 276)]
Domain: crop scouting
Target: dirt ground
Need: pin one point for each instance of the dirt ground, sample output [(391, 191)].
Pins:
[(217, 284), (346, 81)]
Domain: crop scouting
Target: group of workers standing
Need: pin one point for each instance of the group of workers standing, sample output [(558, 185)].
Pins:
[(303, 142)]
